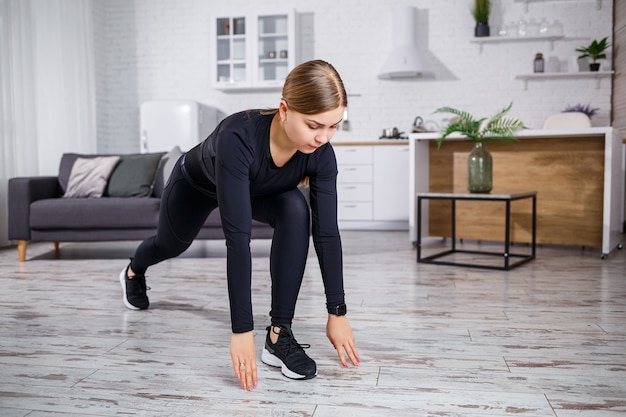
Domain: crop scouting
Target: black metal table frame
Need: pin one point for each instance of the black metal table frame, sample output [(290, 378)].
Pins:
[(506, 255)]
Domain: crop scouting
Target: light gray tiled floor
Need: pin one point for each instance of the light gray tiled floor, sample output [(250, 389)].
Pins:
[(545, 339)]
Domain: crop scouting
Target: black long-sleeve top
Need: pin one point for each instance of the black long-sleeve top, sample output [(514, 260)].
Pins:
[(236, 166)]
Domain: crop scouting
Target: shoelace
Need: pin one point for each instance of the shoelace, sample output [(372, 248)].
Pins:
[(292, 342), (137, 283)]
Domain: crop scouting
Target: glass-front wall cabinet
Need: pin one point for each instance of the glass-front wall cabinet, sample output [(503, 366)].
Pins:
[(231, 49), (273, 44), (254, 51)]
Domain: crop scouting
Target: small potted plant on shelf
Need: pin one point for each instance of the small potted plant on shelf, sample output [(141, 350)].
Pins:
[(595, 51), (481, 11), (498, 127), (581, 108)]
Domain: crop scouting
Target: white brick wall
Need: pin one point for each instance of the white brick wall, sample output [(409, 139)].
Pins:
[(160, 49), (100, 58)]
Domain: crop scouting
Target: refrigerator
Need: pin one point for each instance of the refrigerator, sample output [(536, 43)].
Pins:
[(165, 124)]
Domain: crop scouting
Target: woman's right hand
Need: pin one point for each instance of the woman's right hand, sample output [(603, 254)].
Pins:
[(243, 355)]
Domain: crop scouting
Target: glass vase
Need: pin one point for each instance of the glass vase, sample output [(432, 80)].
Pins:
[(479, 169)]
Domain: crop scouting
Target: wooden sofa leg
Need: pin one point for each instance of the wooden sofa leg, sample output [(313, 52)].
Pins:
[(21, 250), (55, 245)]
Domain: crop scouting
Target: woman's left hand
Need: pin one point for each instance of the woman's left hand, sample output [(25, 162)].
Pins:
[(339, 333)]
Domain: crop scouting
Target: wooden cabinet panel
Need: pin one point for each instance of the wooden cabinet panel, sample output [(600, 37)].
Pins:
[(567, 173)]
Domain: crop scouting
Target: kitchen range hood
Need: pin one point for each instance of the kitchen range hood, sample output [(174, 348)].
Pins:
[(404, 60)]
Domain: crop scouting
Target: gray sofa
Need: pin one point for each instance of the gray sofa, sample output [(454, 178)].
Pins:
[(40, 210)]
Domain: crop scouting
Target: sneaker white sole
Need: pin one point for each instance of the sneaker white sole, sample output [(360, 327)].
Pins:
[(123, 283), (271, 360)]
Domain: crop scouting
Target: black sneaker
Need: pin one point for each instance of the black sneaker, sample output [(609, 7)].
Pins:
[(135, 297), (288, 355)]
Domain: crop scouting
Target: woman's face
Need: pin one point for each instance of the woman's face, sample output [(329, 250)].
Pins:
[(308, 132)]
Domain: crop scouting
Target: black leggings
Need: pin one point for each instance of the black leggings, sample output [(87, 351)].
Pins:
[(185, 208)]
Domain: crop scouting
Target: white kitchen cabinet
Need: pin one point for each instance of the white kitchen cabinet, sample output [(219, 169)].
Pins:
[(391, 183), (355, 183), (253, 51), (372, 186)]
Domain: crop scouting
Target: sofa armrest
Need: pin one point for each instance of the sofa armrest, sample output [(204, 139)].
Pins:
[(22, 192)]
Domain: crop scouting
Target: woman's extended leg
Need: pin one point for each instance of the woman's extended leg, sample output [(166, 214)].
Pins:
[(183, 211)]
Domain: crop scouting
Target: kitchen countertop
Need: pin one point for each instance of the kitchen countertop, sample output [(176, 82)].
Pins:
[(370, 142), (526, 133)]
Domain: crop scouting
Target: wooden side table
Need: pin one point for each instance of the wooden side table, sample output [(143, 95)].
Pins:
[(505, 256)]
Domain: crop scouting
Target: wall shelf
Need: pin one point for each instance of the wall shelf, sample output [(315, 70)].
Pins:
[(598, 3), (501, 39), (507, 39), (598, 75)]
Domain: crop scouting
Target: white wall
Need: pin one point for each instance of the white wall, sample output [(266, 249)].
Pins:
[(159, 49)]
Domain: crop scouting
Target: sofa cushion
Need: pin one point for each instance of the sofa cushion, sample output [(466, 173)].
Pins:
[(134, 175), (164, 170), (68, 159), (65, 167), (94, 213), (89, 176)]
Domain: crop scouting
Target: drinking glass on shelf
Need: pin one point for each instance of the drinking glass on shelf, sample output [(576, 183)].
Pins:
[(511, 29), (532, 28), (543, 26), (556, 28), (521, 27)]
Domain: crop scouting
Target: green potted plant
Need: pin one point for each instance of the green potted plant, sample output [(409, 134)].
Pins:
[(595, 51), (481, 11), (581, 108), (499, 127)]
